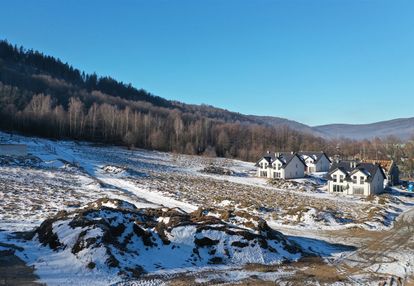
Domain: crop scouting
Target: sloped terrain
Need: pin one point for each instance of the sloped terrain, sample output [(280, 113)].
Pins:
[(155, 201), (111, 233)]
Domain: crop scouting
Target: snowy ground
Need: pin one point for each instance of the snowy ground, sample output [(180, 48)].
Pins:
[(65, 175)]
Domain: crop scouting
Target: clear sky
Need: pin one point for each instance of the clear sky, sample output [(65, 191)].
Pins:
[(314, 61)]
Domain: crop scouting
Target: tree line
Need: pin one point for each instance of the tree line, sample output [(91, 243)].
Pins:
[(42, 96), (119, 121)]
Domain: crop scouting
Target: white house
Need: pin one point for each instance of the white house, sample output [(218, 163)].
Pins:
[(353, 178), (281, 166), (315, 161), (13, 150), (263, 166)]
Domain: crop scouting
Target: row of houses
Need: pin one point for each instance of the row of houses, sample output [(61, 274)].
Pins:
[(351, 177), (292, 165)]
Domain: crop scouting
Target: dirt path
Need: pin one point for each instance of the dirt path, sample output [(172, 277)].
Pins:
[(383, 254), (386, 256), (13, 271)]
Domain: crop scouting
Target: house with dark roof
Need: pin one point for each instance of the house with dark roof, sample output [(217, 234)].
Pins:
[(390, 170), (355, 178), (281, 165), (316, 161)]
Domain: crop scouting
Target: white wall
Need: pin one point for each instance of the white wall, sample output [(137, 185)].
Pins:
[(264, 169), (331, 183), (295, 169), (323, 165), (278, 169), (365, 186), (377, 184)]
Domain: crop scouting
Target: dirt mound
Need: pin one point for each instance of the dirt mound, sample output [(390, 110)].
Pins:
[(217, 170), (113, 169), (19, 161), (108, 234)]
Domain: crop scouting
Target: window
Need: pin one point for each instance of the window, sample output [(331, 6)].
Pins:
[(338, 188), (334, 177), (362, 180), (341, 178), (354, 179), (358, 191)]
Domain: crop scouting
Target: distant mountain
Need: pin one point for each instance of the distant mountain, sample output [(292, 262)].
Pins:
[(278, 122), (402, 128), (41, 95)]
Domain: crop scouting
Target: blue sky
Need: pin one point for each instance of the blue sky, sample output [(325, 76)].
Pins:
[(314, 61)]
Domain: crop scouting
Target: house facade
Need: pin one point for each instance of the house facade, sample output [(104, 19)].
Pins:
[(281, 166), (353, 178), (315, 161)]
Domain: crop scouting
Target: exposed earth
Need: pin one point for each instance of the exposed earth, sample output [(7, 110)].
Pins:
[(343, 240)]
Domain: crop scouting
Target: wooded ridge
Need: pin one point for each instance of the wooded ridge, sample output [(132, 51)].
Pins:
[(43, 96)]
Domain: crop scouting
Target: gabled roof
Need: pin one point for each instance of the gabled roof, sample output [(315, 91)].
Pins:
[(385, 164), (268, 157), (315, 155), (351, 167), (284, 157)]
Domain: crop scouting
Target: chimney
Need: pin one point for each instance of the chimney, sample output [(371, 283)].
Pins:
[(353, 164), (268, 152), (291, 152), (277, 154)]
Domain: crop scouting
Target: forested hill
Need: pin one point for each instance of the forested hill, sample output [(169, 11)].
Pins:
[(41, 95)]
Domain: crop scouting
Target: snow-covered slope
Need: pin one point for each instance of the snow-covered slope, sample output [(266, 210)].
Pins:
[(114, 237), (66, 175)]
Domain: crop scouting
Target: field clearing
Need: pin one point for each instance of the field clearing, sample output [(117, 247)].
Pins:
[(67, 175)]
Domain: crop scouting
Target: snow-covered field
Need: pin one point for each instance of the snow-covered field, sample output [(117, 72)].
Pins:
[(66, 175)]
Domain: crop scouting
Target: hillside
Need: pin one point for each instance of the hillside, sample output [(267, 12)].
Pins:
[(42, 96), (87, 214), (402, 128)]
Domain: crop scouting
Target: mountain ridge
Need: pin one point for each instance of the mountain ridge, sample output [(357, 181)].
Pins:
[(402, 128), (25, 74)]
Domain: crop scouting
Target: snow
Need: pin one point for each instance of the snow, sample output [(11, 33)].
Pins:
[(66, 175)]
